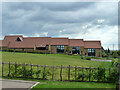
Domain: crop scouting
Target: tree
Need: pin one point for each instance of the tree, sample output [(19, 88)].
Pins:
[(108, 50), (119, 52), (115, 55), (67, 49)]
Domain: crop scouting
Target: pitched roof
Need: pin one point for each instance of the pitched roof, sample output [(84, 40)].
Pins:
[(92, 44), (21, 45), (59, 41), (4, 43), (12, 38), (30, 42), (38, 41), (76, 42)]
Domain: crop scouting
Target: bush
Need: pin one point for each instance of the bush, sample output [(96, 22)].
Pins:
[(115, 55), (113, 77), (88, 58), (100, 74), (82, 57)]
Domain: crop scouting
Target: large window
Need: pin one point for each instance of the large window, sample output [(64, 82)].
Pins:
[(40, 48), (91, 52), (75, 50), (60, 48)]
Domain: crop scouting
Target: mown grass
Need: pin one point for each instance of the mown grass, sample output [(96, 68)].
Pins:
[(65, 84), (58, 59), (51, 59)]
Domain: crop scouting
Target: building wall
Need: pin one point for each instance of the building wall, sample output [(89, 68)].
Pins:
[(70, 50), (86, 52), (53, 49), (81, 49), (65, 48), (98, 52), (4, 48)]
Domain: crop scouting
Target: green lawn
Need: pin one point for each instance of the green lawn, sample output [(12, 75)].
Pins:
[(51, 59), (58, 59), (63, 84)]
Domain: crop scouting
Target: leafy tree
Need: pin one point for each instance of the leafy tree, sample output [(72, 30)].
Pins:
[(115, 55), (119, 52), (67, 49)]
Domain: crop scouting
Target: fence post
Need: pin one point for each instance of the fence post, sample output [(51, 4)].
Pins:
[(2, 68), (109, 71), (15, 69), (98, 73), (104, 74), (23, 70), (53, 73), (89, 73), (82, 73), (31, 70), (61, 73), (118, 84), (69, 72), (44, 73), (75, 72), (9, 70)]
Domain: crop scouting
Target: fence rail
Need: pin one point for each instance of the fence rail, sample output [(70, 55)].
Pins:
[(74, 73)]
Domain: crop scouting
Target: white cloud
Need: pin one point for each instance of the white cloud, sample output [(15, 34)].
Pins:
[(100, 20)]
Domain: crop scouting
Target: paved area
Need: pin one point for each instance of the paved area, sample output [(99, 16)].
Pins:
[(101, 60), (16, 84)]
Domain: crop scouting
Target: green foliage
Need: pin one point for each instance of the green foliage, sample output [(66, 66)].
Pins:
[(88, 58), (115, 55), (100, 74), (67, 49), (119, 52), (104, 54), (22, 71), (113, 77)]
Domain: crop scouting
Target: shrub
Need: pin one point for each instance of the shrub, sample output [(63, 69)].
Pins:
[(88, 58), (82, 57), (100, 74), (113, 77), (115, 55)]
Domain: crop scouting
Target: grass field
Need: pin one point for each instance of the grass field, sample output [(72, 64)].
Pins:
[(58, 59), (62, 84), (51, 59), (65, 84)]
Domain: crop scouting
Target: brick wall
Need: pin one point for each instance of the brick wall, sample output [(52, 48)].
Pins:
[(53, 49)]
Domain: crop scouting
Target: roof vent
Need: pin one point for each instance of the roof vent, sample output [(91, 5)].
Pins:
[(19, 39)]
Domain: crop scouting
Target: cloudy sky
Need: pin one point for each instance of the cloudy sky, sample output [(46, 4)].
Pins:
[(87, 20)]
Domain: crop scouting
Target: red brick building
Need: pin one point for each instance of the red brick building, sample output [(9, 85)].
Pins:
[(51, 45)]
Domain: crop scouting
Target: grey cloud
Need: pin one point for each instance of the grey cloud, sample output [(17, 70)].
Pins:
[(30, 18)]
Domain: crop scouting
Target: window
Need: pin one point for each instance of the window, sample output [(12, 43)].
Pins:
[(91, 52), (75, 50), (60, 48), (41, 48)]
